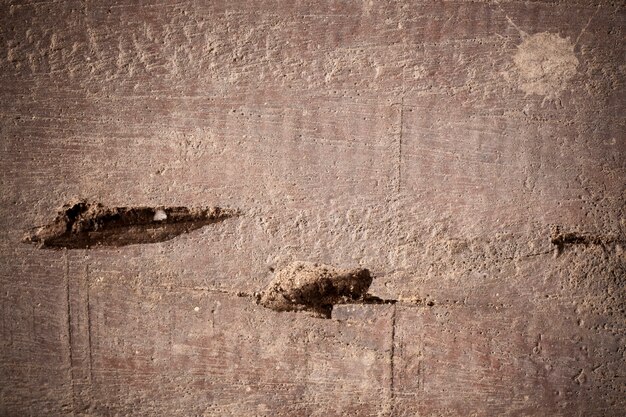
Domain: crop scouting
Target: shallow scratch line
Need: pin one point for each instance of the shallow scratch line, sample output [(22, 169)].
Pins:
[(66, 273), (521, 32), (399, 185), (584, 29), (391, 362), (89, 345)]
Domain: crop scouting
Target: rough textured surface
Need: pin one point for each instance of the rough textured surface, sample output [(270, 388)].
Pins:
[(436, 144), (88, 225)]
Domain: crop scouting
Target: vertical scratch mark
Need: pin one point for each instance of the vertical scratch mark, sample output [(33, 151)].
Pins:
[(420, 376), (403, 93), (391, 362), (33, 321), (399, 173), (66, 272), (171, 334), (89, 325), (6, 329)]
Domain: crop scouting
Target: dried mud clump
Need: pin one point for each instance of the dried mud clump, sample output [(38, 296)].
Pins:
[(315, 288), (86, 225)]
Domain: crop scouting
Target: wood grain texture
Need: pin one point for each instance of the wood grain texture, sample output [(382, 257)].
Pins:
[(433, 143)]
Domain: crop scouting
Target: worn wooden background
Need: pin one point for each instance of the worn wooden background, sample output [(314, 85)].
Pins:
[(434, 143)]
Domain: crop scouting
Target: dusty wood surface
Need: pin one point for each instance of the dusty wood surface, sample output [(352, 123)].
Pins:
[(434, 143)]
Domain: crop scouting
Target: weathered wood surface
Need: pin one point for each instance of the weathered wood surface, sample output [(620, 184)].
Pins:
[(434, 143)]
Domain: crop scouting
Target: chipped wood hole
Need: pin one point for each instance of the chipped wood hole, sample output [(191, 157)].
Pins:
[(86, 225), (562, 239), (316, 288)]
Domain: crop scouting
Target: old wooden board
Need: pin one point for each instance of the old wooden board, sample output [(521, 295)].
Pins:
[(470, 154)]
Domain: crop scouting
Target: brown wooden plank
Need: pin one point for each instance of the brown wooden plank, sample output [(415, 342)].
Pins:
[(434, 143)]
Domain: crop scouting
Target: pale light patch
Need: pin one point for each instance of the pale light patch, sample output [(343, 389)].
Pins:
[(545, 64), (159, 215)]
